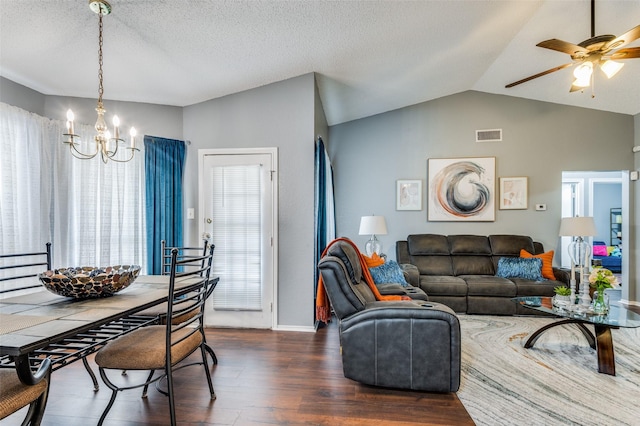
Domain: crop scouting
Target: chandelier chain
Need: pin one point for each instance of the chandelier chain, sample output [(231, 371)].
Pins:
[(100, 85)]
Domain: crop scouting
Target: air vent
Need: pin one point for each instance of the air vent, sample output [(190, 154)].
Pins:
[(490, 135)]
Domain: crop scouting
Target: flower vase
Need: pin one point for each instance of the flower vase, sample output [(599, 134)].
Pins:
[(600, 303)]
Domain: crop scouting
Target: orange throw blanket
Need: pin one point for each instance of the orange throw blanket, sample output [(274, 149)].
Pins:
[(323, 311)]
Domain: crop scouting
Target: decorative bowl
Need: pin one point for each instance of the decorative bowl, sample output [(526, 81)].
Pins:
[(88, 281)]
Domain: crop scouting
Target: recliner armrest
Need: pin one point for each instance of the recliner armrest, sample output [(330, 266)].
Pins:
[(411, 274)]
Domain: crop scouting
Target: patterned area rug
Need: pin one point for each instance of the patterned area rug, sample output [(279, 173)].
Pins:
[(554, 383)]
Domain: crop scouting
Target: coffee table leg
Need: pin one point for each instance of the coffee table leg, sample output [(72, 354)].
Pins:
[(585, 331), (606, 359)]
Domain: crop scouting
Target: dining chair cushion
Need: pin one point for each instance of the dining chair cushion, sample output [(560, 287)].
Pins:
[(14, 394), (145, 349)]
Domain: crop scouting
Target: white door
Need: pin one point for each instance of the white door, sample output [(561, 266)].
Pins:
[(237, 193)]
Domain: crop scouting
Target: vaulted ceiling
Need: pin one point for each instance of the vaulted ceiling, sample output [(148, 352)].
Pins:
[(370, 56)]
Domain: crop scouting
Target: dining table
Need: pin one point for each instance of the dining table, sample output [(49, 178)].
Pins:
[(37, 324)]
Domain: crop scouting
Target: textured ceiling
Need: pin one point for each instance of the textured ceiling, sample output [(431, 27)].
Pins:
[(370, 56)]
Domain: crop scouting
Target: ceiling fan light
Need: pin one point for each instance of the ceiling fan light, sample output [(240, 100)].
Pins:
[(581, 82), (583, 72), (611, 68)]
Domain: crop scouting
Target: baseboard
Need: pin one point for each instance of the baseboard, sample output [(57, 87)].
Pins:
[(305, 329)]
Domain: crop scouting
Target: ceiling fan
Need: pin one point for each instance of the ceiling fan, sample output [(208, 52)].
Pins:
[(597, 51)]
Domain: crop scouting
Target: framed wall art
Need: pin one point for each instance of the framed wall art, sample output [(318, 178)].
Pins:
[(461, 189), (409, 195), (513, 193)]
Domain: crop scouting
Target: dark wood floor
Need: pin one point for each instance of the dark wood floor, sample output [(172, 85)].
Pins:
[(263, 377)]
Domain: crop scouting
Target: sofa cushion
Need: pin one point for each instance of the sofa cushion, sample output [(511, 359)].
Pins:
[(547, 262), (443, 285), (469, 244), (510, 245), (433, 265), (388, 272), (518, 267), (428, 244), (489, 285), (472, 265), (349, 257)]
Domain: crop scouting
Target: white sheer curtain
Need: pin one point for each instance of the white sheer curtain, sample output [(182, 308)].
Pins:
[(93, 213)]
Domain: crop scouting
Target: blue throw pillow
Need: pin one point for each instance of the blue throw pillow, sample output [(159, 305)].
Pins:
[(388, 272), (518, 267)]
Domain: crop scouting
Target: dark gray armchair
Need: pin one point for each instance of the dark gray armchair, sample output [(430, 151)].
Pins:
[(404, 344)]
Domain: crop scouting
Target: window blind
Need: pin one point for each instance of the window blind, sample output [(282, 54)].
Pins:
[(236, 232)]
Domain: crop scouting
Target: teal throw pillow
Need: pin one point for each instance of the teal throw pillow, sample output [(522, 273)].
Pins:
[(388, 272), (518, 267)]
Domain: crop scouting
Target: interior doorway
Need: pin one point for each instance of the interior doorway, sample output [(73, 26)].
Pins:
[(605, 197)]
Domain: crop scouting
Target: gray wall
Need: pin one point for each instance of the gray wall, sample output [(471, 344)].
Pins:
[(22, 97), (605, 197), (540, 140), (281, 115)]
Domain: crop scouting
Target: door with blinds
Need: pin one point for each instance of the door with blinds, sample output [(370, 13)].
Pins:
[(237, 204)]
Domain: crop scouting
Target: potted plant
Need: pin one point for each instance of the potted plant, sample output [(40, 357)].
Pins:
[(601, 279), (563, 295)]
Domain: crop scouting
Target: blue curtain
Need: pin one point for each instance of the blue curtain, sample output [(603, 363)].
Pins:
[(325, 222), (164, 167)]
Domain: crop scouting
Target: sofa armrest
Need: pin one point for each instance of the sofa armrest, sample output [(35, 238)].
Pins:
[(563, 275), (403, 345), (411, 274)]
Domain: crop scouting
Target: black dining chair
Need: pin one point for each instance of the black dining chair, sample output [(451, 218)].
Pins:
[(15, 395), (165, 347), (160, 311)]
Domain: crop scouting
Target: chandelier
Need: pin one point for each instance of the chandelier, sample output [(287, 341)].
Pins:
[(106, 144)]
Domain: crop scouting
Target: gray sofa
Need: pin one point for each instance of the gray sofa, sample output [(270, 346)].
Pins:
[(460, 271), (399, 344)]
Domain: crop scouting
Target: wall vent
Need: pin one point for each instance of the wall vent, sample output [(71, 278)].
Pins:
[(490, 135)]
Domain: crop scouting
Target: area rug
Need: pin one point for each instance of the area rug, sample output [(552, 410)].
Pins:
[(554, 383)]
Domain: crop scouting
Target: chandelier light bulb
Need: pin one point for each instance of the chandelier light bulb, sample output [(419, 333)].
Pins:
[(133, 134), (116, 124), (70, 118)]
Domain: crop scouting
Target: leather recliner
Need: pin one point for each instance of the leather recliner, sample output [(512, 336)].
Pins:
[(399, 344)]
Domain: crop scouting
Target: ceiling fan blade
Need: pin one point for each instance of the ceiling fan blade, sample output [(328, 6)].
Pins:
[(628, 53), (626, 38), (540, 74), (563, 46)]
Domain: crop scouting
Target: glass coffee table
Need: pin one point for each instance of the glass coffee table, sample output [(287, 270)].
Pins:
[(618, 316)]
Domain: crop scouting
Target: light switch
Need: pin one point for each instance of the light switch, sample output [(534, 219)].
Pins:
[(541, 207), (634, 175), (191, 213)]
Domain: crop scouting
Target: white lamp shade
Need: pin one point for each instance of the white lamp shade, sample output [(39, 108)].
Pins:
[(577, 227), (373, 225)]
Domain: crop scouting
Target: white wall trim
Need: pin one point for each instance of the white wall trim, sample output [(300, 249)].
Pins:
[(299, 328)]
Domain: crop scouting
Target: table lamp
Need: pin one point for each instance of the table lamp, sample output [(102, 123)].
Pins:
[(579, 252), (373, 225)]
